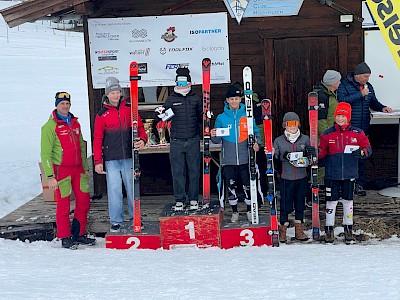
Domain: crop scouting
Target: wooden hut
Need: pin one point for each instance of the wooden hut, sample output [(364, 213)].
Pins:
[(287, 54)]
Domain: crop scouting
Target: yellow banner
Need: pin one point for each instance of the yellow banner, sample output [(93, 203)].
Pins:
[(387, 15)]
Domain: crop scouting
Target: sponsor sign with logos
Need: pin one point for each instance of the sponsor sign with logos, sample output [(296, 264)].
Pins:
[(160, 45)]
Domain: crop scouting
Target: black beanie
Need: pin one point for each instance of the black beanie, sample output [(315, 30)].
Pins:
[(62, 96), (362, 69), (233, 91), (183, 72)]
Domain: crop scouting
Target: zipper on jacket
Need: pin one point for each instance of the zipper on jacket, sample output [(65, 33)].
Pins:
[(236, 137), (73, 141), (121, 134), (342, 147)]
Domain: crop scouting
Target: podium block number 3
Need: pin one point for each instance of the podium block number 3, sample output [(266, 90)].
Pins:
[(248, 236)]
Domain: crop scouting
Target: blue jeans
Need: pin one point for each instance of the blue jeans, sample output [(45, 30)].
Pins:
[(185, 153), (114, 169)]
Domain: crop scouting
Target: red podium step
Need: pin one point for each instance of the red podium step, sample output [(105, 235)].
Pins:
[(149, 238), (190, 229), (201, 229), (251, 235)]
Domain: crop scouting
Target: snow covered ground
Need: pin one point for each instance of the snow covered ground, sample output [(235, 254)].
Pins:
[(34, 64)]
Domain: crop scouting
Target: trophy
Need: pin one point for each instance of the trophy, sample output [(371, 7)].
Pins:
[(161, 127), (148, 127)]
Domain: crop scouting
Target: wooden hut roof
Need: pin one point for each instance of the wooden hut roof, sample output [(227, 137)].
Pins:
[(32, 10)]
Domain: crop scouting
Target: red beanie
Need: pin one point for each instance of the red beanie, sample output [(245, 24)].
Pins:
[(343, 108)]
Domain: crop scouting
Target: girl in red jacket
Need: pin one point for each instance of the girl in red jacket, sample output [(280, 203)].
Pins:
[(341, 146)]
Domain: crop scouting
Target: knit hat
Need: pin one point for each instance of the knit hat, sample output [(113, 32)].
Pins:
[(362, 68), (290, 116), (112, 84), (183, 74), (343, 108), (233, 91), (62, 96), (331, 77)]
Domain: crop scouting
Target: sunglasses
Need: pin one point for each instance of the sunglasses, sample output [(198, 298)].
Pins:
[(292, 123), (182, 83), (63, 96)]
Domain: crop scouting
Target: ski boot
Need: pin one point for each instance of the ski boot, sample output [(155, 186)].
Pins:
[(329, 235), (348, 235)]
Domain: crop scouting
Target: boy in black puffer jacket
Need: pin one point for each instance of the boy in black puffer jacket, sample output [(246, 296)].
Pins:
[(185, 139)]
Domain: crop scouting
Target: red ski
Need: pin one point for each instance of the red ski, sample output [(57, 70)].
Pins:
[(313, 119), (133, 72), (206, 65), (267, 122)]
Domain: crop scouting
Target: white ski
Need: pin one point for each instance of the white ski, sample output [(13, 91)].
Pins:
[(248, 96)]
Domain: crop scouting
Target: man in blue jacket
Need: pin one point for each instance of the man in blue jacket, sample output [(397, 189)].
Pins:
[(359, 93)]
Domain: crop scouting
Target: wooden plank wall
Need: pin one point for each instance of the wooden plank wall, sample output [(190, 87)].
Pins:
[(246, 45)]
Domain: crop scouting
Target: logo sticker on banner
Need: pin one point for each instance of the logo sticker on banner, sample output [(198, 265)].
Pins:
[(160, 45)]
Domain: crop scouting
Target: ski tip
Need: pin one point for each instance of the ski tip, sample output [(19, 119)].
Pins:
[(133, 64), (206, 62)]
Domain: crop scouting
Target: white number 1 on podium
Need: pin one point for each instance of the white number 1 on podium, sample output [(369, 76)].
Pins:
[(190, 227)]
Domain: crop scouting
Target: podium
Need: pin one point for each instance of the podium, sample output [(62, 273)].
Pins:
[(202, 228)]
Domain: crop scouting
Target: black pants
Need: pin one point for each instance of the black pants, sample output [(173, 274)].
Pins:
[(185, 153), (234, 174), (293, 193)]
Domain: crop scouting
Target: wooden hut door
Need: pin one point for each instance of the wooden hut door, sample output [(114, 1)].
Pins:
[(298, 64)]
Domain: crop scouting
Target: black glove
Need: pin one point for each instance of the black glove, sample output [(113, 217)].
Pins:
[(286, 155), (311, 151), (359, 153)]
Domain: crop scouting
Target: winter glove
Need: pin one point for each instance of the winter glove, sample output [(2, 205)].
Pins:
[(311, 151), (160, 111), (359, 153)]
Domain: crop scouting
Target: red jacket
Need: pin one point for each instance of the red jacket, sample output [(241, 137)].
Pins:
[(113, 132), (332, 143), (62, 144)]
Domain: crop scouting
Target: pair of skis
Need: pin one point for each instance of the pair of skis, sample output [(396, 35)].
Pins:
[(206, 76), (266, 112), (313, 119), (266, 106), (134, 77), (248, 98), (267, 122)]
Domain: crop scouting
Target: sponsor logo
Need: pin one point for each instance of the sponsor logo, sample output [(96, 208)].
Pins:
[(107, 36), (108, 70), (205, 31), (139, 33), (213, 49), (106, 54), (103, 58), (164, 50), (142, 68), (145, 52), (217, 63), (170, 35), (140, 36), (176, 66)]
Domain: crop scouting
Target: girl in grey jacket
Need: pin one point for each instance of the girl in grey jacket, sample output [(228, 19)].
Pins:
[(292, 148)]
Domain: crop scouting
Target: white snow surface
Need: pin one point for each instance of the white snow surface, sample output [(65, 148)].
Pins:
[(35, 63)]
